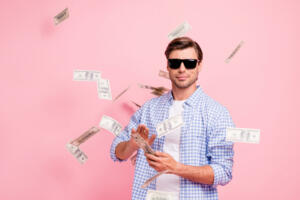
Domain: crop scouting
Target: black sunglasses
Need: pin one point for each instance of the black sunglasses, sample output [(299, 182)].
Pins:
[(188, 63)]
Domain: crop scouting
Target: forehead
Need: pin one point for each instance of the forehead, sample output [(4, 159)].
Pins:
[(188, 53)]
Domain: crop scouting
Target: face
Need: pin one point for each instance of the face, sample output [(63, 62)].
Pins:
[(183, 78)]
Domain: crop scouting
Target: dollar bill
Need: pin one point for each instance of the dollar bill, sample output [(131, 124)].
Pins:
[(85, 75), (85, 136), (179, 31), (61, 16), (138, 105), (234, 52), (164, 74), (158, 91), (161, 195), (169, 125), (142, 143), (147, 182), (110, 125), (104, 91), (244, 135), (133, 159), (77, 153), (121, 93)]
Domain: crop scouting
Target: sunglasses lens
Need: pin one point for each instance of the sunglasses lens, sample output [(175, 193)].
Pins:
[(174, 63), (190, 63)]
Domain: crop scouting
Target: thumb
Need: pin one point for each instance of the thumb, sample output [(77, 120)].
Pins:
[(152, 138)]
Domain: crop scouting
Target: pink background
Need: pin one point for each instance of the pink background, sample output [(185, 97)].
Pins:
[(42, 108)]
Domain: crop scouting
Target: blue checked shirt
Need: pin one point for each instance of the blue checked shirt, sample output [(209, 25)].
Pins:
[(202, 142)]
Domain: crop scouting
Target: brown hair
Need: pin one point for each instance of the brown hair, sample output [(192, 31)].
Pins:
[(183, 43)]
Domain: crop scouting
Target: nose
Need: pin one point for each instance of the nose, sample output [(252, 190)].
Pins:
[(182, 67)]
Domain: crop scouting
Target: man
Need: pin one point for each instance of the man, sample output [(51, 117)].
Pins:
[(196, 155)]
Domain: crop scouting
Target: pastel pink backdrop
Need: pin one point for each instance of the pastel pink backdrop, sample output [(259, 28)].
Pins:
[(42, 108)]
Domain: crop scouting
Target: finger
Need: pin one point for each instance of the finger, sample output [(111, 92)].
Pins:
[(133, 130), (149, 158), (153, 164), (143, 131), (161, 154), (152, 138), (152, 157), (138, 129), (146, 130)]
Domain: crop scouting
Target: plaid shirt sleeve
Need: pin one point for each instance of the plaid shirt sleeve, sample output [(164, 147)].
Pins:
[(220, 151), (125, 134)]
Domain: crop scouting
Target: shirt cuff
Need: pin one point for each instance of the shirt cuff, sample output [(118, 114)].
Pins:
[(113, 150), (218, 175)]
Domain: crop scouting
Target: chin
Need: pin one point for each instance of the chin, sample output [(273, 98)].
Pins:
[(182, 85)]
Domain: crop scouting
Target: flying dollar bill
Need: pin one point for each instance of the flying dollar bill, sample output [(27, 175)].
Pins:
[(85, 136), (85, 75), (164, 74), (104, 91), (169, 125), (61, 16), (179, 31), (133, 159), (234, 51), (110, 125), (244, 135), (137, 105), (142, 143), (158, 91), (77, 153), (121, 93), (161, 195), (153, 178)]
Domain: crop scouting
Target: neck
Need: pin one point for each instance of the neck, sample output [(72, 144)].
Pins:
[(183, 93)]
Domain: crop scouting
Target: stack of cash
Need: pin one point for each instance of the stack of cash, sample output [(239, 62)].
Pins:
[(142, 143)]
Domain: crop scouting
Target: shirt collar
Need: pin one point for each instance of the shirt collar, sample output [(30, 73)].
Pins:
[(192, 100)]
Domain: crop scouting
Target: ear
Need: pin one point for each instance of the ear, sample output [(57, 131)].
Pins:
[(168, 68), (199, 67)]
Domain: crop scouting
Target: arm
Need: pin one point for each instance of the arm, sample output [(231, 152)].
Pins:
[(163, 161), (220, 154), (125, 149), (120, 143)]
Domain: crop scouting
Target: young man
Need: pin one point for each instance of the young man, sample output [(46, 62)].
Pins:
[(196, 155)]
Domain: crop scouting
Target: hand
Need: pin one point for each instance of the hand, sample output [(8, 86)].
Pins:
[(143, 131), (162, 161)]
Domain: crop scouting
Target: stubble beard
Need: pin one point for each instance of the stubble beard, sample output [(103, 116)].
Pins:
[(183, 85)]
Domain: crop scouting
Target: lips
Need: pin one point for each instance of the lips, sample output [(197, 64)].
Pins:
[(181, 78)]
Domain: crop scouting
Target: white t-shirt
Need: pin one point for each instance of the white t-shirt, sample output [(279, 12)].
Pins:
[(170, 182)]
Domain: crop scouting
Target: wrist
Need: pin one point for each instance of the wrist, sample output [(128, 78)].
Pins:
[(132, 145), (179, 167)]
